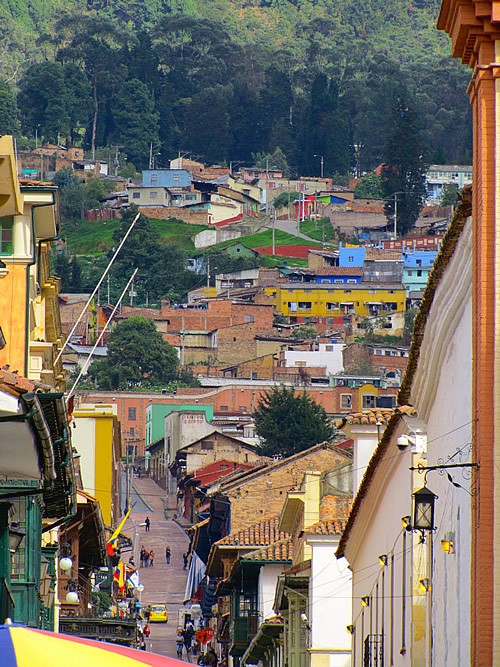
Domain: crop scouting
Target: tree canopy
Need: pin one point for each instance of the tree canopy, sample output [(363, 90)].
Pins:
[(137, 357), (289, 423), (225, 79)]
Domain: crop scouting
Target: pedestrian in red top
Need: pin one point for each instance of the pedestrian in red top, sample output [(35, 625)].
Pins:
[(151, 558)]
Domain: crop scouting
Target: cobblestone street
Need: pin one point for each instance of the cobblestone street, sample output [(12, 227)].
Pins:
[(163, 583)]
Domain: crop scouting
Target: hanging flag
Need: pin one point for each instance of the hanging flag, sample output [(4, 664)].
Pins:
[(134, 579), (119, 575), (111, 543)]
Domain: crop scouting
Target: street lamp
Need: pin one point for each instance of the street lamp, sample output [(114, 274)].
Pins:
[(423, 513), (322, 160)]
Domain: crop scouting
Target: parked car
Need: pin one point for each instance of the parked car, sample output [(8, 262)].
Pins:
[(159, 613)]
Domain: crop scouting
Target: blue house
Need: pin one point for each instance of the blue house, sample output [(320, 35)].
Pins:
[(351, 256), (416, 268), (166, 178)]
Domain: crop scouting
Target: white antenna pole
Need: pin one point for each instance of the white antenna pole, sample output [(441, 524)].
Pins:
[(96, 288), (87, 361)]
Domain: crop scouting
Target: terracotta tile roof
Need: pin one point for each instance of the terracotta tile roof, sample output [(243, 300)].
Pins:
[(260, 534), (326, 527), (282, 550), (380, 415), (335, 508), (450, 241), (15, 384)]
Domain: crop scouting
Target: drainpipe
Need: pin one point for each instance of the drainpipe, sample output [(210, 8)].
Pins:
[(31, 263)]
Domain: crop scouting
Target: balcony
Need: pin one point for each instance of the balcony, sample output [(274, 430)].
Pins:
[(115, 630), (242, 630), (6, 601)]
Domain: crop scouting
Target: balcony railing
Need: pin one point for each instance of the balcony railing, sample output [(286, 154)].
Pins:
[(6, 601), (242, 630), (116, 630)]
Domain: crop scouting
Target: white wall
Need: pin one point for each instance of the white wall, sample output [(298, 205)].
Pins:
[(446, 405), (330, 602), (268, 578), (332, 360)]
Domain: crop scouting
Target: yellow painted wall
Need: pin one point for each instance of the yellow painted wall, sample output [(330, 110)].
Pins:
[(104, 466), (13, 316), (320, 297), (106, 429)]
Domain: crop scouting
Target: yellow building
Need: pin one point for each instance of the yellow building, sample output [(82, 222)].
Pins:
[(330, 300), (96, 437), (31, 332)]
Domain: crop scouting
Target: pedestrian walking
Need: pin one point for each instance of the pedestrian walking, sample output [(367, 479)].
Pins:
[(143, 551), (188, 638), (179, 643), (146, 558), (148, 524), (185, 558), (131, 561), (151, 558), (168, 553), (147, 630)]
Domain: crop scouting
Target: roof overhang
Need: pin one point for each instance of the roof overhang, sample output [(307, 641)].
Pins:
[(42, 201), (268, 633), (293, 503), (11, 200)]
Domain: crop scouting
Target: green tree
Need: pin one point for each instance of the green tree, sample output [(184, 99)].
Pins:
[(136, 121), (9, 113), (43, 97), (369, 187), (137, 357), (275, 160), (289, 423), (72, 194), (404, 169), (449, 195)]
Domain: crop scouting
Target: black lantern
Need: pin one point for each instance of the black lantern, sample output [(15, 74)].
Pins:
[(423, 512)]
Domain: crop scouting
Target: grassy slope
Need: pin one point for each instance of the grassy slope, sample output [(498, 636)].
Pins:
[(90, 238)]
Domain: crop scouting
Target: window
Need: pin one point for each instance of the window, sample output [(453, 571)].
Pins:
[(136, 195), (132, 430), (249, 318), (300, 364), (328, 348), (190, 197), (207, 445), (378, 352), (345, 401), (6, 236), (369, 401), (410, 273), (304, 305), (153, 194), (350, 259), (132, 414), (419, 273), (419, 262), (224, 408), (336, 281), (347, 291), (351, 281), (154, 178)]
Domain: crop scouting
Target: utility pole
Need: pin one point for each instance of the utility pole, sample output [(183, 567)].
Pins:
[(274, 232), (322, 161), (151, 156), (396, 215)]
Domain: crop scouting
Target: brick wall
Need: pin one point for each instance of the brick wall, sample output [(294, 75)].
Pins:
[(224, 399), (196, 217), (263, 496), (220, 313)]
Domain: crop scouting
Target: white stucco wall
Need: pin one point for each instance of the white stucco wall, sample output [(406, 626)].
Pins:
[(332, 360), (448, 415), (329, 602), (268, 578)]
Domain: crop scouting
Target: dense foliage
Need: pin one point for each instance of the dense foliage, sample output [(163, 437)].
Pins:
[(225, 80), (288, 422), (137, 357)]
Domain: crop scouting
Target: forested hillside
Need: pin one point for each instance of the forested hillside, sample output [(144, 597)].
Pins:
[(225, 80)]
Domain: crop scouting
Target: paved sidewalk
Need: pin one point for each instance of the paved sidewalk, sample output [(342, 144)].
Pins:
[(162, 583)]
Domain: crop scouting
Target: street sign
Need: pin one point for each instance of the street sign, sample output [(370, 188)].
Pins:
[(204, 635)]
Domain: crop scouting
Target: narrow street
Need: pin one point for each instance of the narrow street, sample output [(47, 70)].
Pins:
[(162, 583)]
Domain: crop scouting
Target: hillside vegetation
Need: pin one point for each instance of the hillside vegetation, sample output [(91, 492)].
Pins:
[(226, 80)]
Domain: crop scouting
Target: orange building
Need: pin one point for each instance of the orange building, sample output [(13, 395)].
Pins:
[(474, 28)]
